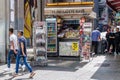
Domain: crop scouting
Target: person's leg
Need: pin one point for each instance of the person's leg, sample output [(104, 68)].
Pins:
[(113, 49), (9, 58), (93, 46), (117, 47), (108, 48), (22, 64), (26, 64), (29, 67), (96, 47), (20, 61), (17, 63)]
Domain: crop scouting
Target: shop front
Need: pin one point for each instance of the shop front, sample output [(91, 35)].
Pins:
[(64, 28)]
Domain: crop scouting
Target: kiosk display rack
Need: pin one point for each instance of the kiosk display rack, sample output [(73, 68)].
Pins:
[(40, 44), (51, 35), (69, 38)]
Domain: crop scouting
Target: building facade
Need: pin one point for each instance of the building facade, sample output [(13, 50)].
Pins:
[(4, 24), (105, 16), (13, 15)]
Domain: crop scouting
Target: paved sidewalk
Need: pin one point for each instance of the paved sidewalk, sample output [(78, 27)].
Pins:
[(100, 68)]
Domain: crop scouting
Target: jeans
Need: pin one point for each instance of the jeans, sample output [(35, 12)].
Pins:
[(24, 61), (11, 52)]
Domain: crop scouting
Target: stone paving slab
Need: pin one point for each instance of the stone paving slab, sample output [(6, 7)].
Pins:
[(71, 70)]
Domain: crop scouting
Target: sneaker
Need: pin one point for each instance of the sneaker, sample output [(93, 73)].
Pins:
[(7, 69), (93, 54), (23, 68)]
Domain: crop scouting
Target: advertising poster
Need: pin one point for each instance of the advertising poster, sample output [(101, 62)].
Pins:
[(69, 48), (86, 40)]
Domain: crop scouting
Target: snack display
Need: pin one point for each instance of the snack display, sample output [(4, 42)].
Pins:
[(69, 29), (72, 34), (69, 32)]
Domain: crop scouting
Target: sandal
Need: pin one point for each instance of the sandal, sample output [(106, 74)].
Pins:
[(15, 75), (31, 75)]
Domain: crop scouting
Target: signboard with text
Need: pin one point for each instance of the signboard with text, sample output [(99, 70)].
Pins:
[(73, 10)]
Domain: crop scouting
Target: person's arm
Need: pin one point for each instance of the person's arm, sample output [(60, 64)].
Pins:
[(112, 36), (22, 47), (91, 35), (106, 35), (12, 44), (99, 36)]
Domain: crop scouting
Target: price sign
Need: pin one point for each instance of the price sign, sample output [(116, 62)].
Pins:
[(75, 46)]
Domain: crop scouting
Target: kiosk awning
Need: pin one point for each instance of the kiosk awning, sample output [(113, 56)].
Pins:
[(114, 4)]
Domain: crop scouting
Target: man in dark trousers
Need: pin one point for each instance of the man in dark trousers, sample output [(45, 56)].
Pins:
[(95, 40), (110, 36), (117, 40)]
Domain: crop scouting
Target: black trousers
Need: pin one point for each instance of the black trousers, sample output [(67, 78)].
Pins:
[(117, 46), (111, 43), (95, 46)]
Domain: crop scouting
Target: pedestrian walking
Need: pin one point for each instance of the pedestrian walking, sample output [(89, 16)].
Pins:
[(22, 54), (110, 36), (13, 48), (95, 40), (117, 41)]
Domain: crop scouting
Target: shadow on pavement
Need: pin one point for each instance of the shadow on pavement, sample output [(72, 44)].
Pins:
[(60, 65), (20, 74), (108, 70), (23, 79), (5, 73), (10, 78)]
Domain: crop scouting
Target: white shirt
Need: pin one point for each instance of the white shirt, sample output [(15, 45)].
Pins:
[(13, 38)]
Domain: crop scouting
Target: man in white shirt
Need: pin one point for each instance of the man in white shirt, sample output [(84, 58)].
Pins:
[(13, 47)]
